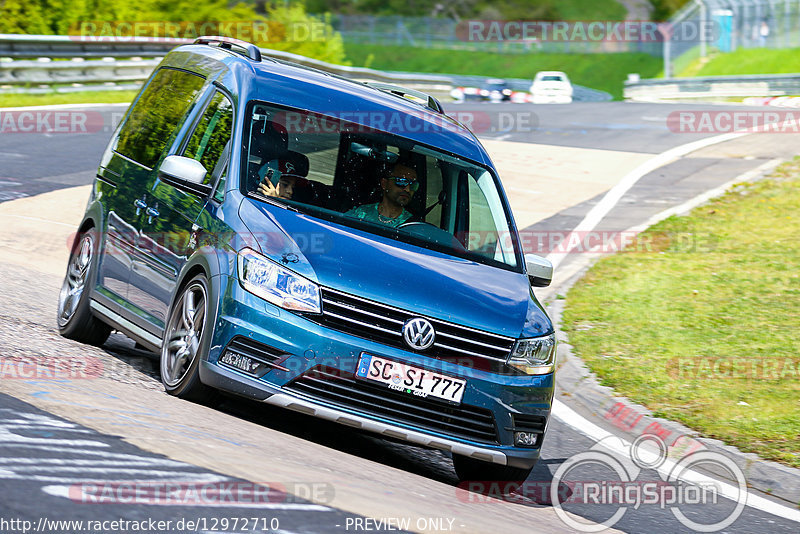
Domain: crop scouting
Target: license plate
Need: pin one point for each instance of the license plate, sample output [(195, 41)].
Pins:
[(242, 363), (410, 379)]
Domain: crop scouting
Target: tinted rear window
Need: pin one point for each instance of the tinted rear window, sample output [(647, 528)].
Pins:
[(157, 114)]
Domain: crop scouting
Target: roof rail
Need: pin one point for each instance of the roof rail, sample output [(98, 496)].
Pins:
[(248, 50), (416, 96)]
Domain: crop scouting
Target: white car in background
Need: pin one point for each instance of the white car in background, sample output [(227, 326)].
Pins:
[(551, 86)]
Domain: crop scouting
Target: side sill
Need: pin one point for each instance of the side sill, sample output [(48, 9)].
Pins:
[(128, 328)]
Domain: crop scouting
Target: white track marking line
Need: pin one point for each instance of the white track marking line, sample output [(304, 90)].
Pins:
[(708, 195), (565, 274), (613, 196), (594, 432)]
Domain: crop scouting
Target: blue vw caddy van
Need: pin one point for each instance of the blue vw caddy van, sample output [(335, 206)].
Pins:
[(335, 248)]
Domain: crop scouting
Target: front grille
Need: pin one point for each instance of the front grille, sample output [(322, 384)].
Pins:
[(268, 357), (378, 322), (528, 423), (342, 389)]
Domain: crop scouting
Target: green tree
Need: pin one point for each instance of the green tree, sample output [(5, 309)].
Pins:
[(22, 16), (291, 28), (305, 35)]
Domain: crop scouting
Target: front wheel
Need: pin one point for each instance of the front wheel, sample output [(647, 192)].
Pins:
[(187, 328), (472, 470), (75, 319)]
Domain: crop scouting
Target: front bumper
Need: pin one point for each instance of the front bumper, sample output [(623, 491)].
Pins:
[(307, 346), (551, 98)]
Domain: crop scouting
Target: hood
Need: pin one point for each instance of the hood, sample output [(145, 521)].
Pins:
[(395, 273)]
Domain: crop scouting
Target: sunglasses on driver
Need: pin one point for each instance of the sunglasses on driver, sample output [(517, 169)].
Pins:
[(402, 181)]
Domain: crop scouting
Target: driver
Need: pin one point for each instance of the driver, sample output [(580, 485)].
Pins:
[(398, 189)]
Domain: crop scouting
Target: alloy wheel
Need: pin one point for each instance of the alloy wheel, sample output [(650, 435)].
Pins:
[(183, 334), (75, 280)]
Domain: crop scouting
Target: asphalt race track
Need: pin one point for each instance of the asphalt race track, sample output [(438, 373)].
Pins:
[(69, 446)]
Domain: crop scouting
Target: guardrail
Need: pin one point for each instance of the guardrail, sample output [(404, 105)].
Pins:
[(712, 87), (73, 63), (48, 72), (68, 46), (63, 59)]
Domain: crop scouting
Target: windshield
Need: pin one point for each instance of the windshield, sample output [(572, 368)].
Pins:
[(378, 182)]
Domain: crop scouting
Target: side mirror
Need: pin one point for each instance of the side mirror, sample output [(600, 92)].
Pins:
[(540, 270), (184, 173)]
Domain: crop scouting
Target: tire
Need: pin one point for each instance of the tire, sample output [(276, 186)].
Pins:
[(185, 341), (472, 470), (74, 317)]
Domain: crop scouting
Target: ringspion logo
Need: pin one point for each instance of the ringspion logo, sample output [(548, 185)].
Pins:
[(625, 489)]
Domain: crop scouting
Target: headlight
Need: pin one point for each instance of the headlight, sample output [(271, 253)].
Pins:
[(534, 356), (276, 284)]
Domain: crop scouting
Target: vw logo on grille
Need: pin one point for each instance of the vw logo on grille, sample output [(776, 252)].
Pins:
[(418, 333)]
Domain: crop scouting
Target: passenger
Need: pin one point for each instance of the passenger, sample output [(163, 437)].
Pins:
[(398, 190), (278, 179)]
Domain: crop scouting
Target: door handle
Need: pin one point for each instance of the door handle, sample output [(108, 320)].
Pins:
[(140, 205), (152, 212)]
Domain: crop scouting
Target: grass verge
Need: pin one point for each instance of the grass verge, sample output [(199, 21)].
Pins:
[(47, 99), (742, 61), (605, 72), (590, 10), (698, 320)]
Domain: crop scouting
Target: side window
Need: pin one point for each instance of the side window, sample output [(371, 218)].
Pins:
[(210, 141), (488, 228), (157, 114), (483, 234)]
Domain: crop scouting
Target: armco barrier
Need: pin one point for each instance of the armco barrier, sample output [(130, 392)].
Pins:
[(62, 59), (19, 46), (712, 87), (47, 72), (32, 63)]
